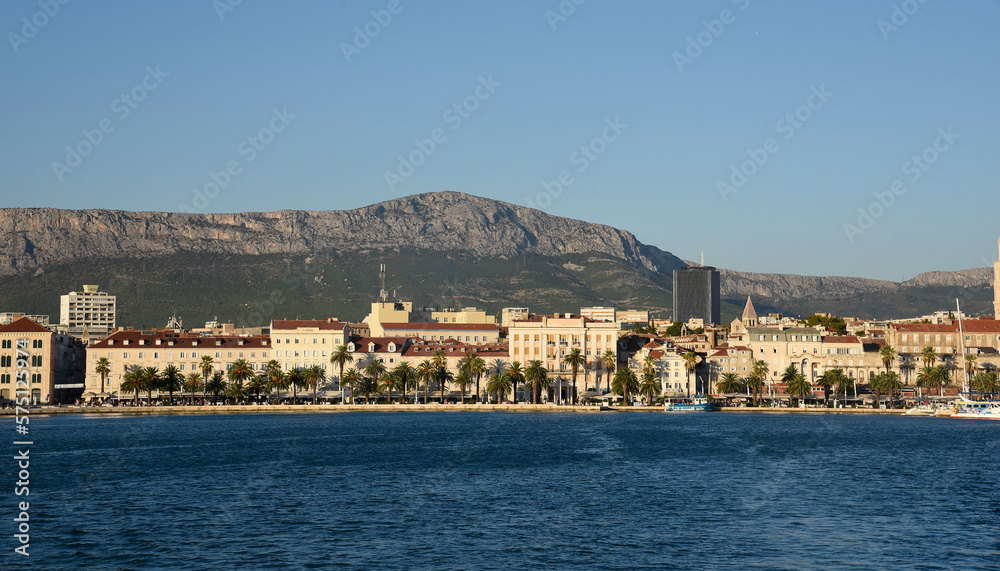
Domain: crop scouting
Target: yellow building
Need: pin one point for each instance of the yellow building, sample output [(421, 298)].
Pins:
[(550, 338), (303, 343)]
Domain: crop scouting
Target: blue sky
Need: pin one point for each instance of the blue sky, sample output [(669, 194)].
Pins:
[(266, 91)]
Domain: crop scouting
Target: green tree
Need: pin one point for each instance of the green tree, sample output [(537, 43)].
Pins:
[(928, 356), (970, 365), (375, 369), (340, 357), (133, 380), (296, 379), (404, 378), (102, 368), (888, 355), (675, 329), (464, 381), (515, 374), (625, 383), (171, 380), (474, 366), (440, 361), (314, 376), (426, 372), (206, 366), (216, 385), (537, 375), (609, 360), (256, 386), (575, 359), (498, 384), (150, 381), (826, 381), (192, 383), (985, 382), (730, 383), (690, 362), (796, 383), (275, 376), (649, 385), (235, 389), (835, 324), (351, 378)]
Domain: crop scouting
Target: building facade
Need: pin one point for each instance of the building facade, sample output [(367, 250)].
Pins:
[(550, 338), (39, 363), (89, 311), (304, 343), (697, 294)]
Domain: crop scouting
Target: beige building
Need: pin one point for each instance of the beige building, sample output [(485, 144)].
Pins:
[(128, 348), (475, 333), (550, 338), (633, 316), (510, 314), (89, 311), (388, 312), (9, 317), (599, 313), (38, 363), (303, 343)]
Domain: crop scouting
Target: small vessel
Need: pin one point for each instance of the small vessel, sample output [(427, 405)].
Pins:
[(697, 404), (921, 410), (965, 408)]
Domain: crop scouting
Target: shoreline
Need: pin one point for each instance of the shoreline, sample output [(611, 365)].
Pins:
[(337, 408)]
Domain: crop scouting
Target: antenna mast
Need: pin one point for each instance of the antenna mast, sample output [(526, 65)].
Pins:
[(961, 339), (383, 295)]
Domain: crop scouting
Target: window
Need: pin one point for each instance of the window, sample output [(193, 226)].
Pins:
[(156, 355), (125, 355), (5, 361), (142, 355), (218, 355), (183, 355), (6, 344), (36, 344), (182, 366), (194, 355), (229, 355), (277, 340), (296, 340), (5, 378)]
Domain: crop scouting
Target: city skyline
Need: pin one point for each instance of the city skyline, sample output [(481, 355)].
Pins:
[(753, 132)]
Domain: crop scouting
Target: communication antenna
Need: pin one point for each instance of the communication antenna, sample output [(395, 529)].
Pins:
[(703, 257), (383, 295)]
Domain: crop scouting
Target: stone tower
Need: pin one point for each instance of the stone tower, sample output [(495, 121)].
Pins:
[(749, 315), (996, 286)]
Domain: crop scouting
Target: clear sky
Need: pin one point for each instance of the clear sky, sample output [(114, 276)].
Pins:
[(829, 101)]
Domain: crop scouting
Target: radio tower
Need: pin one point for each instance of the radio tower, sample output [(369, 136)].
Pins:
[(383, 295)]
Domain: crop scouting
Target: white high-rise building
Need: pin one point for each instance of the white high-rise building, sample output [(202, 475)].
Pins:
[(89, 310)]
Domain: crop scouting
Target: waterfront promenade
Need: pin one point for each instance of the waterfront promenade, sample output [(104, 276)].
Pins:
[(335, 408)]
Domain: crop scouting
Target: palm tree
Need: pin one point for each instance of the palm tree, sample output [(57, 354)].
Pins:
[(273, 369), (537, 375), (609, 360), (888, 355), (192, 383), (890, 383), (985, 382), (151, 380), (928, 356), (941, 377), (730, 383), (440, 361), (375, 369), (690, 362), (365, 386), (216, 385), (575, 359), (426, 372), (476, 368), (754, 384), (341, 356), (296, 378), (404, 377), (314, 376), (352, 378), (235, 390), (840, 381), (279, 380), (625, 382), (240, 371), (102, 368), (257, 385), (826, 381), (206, 368), (797, 384), (761, 370), (171, 380), (514, 374), (499, 384), (649, 386), (970, 365), (463, 380), (133, 380)]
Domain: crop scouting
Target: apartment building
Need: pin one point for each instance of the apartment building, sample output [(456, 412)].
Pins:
[(127, 348), (303, 343), (89, 311), (465, 332), (46, 366), (550, 338)]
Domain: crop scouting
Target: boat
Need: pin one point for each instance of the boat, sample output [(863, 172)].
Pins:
[(697, 404), (965, 408), (921, 410)]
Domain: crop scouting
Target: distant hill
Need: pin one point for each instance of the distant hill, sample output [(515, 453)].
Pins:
[(441, 249)]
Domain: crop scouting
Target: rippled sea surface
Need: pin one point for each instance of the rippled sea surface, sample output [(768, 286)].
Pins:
[(499, 490)]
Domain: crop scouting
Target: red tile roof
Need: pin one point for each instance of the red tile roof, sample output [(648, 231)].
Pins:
[(24, 325), (329, 324), (927, 327), (381, 344), (492, 350), (179, 340), (841, 339), (441, 326)]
